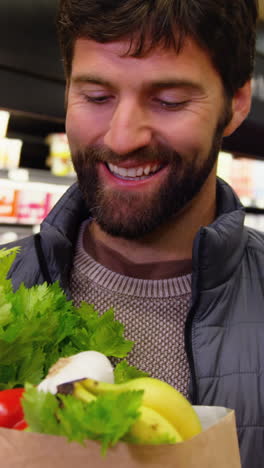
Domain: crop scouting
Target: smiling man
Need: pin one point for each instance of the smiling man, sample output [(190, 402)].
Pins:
[(155, 129), (153, 86)]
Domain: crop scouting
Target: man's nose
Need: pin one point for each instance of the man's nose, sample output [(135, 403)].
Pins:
[(129, 129)]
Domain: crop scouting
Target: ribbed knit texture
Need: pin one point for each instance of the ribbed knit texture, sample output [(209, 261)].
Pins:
[(153, 313)]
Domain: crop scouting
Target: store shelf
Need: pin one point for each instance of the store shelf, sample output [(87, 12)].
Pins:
[(39, 176), (11, 233), (27, 196)]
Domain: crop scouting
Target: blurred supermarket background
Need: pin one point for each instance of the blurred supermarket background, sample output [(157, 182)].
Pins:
[(35, 165)]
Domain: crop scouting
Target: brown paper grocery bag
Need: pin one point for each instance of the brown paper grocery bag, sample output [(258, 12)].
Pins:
[(215, 447)]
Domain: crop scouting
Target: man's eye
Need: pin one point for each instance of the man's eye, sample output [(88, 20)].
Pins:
[(97, 99), (170, 104)]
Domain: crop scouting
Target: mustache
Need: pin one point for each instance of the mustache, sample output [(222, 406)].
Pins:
[(95, 153)]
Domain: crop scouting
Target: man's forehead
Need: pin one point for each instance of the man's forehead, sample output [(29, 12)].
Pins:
[(124, 49)]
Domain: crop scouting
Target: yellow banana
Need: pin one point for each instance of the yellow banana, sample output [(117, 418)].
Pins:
[(82, 394), (159, 396), (152, 428)]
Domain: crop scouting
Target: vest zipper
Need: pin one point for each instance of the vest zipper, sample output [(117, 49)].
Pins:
[(189, 352), (197, 249)]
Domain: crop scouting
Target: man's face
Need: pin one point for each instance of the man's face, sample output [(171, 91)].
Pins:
[(144, 132)]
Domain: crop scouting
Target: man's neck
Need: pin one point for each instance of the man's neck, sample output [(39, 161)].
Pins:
[(171, 242)]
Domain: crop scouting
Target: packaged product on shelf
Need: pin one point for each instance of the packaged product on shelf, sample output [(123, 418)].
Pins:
[(242, 179), (10, 151), (32, 206), (4, 120), (35, 201), (8, 203), (60, 156), (53, 198), (258, 186)]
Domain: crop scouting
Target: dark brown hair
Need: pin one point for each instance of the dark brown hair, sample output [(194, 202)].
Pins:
[(225, 28)]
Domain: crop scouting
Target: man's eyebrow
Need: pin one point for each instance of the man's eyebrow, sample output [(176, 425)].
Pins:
[(177, 83), (152, 84), (91, 79)]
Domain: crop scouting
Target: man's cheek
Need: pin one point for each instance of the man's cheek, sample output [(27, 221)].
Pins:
[(190, 145)]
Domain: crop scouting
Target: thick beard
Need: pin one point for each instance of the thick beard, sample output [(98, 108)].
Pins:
[(132, 216)]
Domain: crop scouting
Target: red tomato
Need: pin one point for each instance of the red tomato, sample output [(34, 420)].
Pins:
[(11, 410), (20, 425)]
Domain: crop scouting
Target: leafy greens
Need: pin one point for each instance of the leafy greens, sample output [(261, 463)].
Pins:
[(38, 325), (107, 419), (123, 372)]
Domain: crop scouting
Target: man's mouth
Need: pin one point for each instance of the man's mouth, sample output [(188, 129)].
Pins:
[(134, 173)]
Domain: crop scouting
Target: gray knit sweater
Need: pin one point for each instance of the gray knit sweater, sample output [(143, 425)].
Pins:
[(153, 313)]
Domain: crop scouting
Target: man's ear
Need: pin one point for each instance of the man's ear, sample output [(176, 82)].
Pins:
[(241, 103)]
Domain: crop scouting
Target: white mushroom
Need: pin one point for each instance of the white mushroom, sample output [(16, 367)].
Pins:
[(87, 364)]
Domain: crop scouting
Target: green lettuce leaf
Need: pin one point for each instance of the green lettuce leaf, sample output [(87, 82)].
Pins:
[(100, 333), (7, 257), (107, 419), (40, 411), (124, 372), (38, 325)]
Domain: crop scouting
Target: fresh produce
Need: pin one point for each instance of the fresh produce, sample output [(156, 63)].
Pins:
[(142, 410), (90, 364), (164, 415), (81, 396), (160, 397), (38, 325), (79, 392), (150, 427), (20, 425), (106, 419), (11, 411)]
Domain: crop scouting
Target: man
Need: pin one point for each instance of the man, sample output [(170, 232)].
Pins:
[(152, 88)]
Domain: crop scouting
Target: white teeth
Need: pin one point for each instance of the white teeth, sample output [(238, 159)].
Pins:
[(111, 167), (140, 171), (133, 171), (121, 171), (147, 170)]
